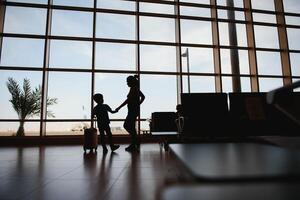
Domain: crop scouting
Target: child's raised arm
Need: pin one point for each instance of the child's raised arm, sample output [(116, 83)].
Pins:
[(111, 111)]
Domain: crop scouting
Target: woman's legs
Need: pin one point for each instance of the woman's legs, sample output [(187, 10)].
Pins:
[(129, 126)]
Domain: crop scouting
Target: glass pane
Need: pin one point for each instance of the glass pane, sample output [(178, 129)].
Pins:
[(158, 98), (245, 84), (114, 89), (222, 14), (293, 38), (158, 58), (116, 5), (73, 93), (157, 8), (295, 60), (145, 127), (225, 61), (240, 32), (6, 107), (30, 1), (239, 15), (223, 33), (297, 89), (292, 6), (268, 63), (117, 128), (268, 84), (79, 3), (115, 56), (115, 26), (25, 20), (263, 5), (72, 23), (194, 11), (227, 84), (237, 3), (196, 1), (149, 27), (244, 62), (292, 20), (66, 128), (201, 60), (258, 17), (19, 52), (199, 84), (70, 54), (266, 37), (11, 128), (196, 32)]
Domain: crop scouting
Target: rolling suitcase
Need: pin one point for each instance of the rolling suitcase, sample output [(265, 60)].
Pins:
[(90, 140)]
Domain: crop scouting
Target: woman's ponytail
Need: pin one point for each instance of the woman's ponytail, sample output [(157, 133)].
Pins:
[(133, 79)]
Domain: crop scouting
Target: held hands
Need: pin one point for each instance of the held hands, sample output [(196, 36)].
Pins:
[(116, 110)]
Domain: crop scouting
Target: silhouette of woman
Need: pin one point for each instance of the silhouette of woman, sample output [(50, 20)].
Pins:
[(134, 98)]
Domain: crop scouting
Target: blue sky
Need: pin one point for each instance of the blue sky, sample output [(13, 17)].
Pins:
[(73, 89)]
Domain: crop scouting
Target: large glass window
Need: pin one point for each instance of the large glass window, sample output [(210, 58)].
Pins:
[(83, 52)]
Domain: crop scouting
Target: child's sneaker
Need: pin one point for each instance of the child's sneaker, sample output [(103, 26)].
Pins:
[(114, 147), (132, 148)]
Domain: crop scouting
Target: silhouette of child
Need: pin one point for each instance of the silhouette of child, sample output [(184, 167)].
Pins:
[(101, 111)]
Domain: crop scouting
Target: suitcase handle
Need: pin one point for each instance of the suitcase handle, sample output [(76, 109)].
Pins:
[(94, 122)]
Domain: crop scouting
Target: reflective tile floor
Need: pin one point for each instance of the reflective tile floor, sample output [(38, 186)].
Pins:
[(65, 172)]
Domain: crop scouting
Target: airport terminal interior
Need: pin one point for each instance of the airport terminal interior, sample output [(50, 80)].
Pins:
[(202, 96)]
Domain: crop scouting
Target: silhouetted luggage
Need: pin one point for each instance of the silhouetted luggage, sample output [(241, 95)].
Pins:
[(90, 139)]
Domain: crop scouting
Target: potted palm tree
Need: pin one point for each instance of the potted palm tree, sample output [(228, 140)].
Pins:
[(26, 102)]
